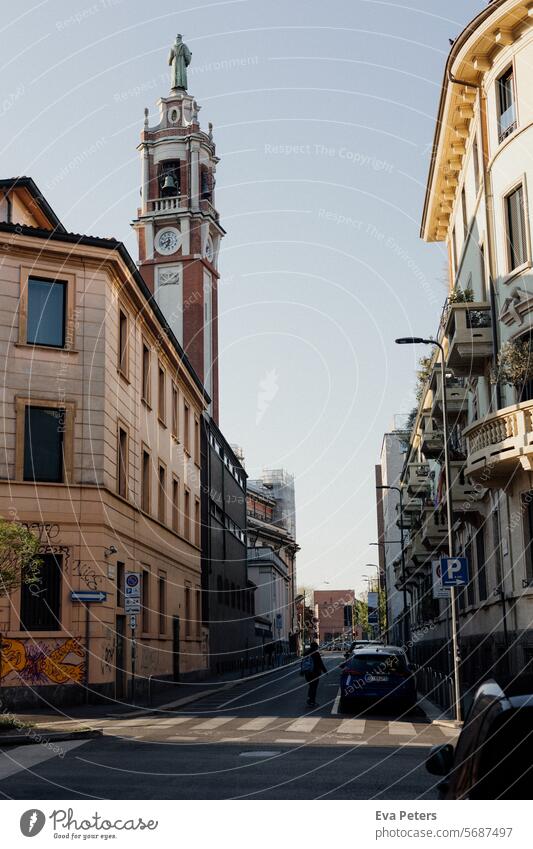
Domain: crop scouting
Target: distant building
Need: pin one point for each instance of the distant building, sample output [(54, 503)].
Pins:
[(334, 614), (388, 473), (272, 552)]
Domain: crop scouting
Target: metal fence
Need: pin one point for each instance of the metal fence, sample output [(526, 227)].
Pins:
[(437, 686)]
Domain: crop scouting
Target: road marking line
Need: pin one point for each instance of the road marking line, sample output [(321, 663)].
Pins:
[(352, 726), (449, 732), (23, 758), (257, 724), (210, 724), (289, 740), (402, 728), (175, 738), (335, 708), (304, 724), (234, 740)]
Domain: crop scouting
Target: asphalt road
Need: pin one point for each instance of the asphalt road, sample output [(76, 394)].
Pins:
[(257, 740)]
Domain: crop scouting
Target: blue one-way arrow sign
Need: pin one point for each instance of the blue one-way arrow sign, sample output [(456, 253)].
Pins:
[(88, 595)]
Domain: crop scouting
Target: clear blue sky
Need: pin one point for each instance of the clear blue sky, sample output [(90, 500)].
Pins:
[(324, 115)]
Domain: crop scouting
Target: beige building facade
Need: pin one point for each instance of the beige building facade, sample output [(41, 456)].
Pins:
[(478, 205), (100, 458)]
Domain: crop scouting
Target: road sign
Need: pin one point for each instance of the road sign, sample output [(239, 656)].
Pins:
[(438, 590), (454, 571), (132, 605), (133, 621), (88, 596), (132, 585)]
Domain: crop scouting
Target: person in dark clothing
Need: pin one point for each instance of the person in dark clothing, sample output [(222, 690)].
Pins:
[(312, 677)]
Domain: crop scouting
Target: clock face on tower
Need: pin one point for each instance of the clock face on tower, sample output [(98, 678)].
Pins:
[(209, 250), (167, 241)]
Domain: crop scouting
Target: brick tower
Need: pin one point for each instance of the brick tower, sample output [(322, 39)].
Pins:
[(178, 226)]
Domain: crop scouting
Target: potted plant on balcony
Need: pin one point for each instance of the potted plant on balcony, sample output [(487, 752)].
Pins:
[(515, 363), (461, 296), (422, 376)]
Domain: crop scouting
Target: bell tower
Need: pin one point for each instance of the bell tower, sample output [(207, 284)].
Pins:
[(177, 224)]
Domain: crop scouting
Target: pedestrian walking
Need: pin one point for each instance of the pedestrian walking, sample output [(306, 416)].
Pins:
[(312, 667)]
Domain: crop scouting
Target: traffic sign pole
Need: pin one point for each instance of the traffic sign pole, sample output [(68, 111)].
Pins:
[(449, 516), (132, 606)]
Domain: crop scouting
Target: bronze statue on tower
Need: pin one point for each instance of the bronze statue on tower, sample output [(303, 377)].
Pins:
[(180, 58)]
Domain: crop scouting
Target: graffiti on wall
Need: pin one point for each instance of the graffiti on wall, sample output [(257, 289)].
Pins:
[(88, 574), (50, 662)]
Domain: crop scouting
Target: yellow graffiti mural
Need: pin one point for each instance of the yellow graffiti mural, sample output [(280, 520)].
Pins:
[(36, 663)]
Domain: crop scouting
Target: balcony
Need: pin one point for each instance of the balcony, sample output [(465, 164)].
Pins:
[(169, 204), (431, 438), (468, 331), (207, 207), (412, 509), (500, 444), (418, 480), (263, 555), (434, 531), (456, 397)]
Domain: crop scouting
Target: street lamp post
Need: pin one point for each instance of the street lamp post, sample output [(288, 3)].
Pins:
[(405, 617), (417, 340)]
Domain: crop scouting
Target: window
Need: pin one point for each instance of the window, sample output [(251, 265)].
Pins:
[(40, 602), (197, 522), (496, 540), (43, 444), (47, 300), (516, 228), (471, 586), (475, 157), (145, 600), (198, 613), (122, 462), (186, 428), (123, 342), (161, 411), (196, 441), (175, 415), (187, 612), (481, 566), (464, 212), (120, 583), (506, 105), (175, 505), (161, 492), (146, 394), (162, 605), (187, 515), (145, 481), (527, 501), (454, 252)]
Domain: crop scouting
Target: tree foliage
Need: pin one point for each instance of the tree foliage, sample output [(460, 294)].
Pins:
[(18, 556)]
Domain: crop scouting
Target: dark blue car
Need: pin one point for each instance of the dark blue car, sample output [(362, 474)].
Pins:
[(377, 676)]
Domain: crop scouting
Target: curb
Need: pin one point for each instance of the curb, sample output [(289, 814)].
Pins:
[(8, 740)]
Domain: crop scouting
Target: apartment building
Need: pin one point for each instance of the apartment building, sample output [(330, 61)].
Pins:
[(272, 550), (388, 474), (101, 453), (477, 204)]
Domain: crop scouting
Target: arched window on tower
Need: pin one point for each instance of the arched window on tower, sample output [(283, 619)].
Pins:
[(205, 183), (169, 178)]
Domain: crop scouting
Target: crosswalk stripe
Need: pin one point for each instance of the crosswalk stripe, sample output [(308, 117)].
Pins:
[(352, 726), (257, 724), (304, 724), (211, 724), (23, 758), (402, 728), (170, 723)]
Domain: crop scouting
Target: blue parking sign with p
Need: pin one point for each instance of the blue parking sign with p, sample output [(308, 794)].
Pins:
[(454, 571)]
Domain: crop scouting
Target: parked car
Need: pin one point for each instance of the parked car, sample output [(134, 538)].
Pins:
[(493, 757), (361, 644), (377, 674)]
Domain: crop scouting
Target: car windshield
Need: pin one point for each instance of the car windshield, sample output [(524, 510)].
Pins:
[(377, 664)]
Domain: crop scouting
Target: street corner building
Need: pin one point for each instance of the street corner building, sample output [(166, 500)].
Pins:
[(477, 204), (109, 410)]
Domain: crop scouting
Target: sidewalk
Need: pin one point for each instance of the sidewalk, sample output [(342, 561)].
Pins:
[(166, 697)]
